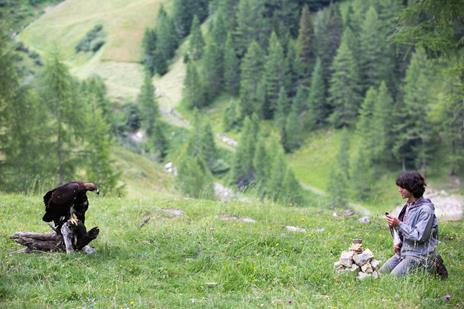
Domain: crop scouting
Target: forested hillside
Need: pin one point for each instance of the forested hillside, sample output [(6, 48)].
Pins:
[(272, 74)]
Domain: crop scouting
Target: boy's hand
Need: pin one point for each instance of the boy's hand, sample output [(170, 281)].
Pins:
[(397, 249), (393, 221)]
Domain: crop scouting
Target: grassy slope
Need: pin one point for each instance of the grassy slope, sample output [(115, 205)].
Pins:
[(62, 26), (142, 177), (170, 261)]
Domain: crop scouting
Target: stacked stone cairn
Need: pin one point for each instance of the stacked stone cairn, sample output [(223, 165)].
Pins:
[(359, 260)]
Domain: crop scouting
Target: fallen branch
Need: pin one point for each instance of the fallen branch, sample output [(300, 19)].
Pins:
[(72, 238)]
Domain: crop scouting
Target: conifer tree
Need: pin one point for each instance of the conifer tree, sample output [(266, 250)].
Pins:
[(231, 68), (231, 117), (291, 138), (344, 89), (292, 69), (193, 177), (412, 129), (166, 42), (363, 169), (451, 120), (184, 11), (159, 141), (262, 163), (278, 171), (300, 101), (242, 168), (273, 75), (208, 146), (306, 44), (339, 175), (149, 47), (374, 61), (293, 193), (318, 108), (99, 165), (213, 71), (148, 105), (243, 34), (251, 74), (193, 88), (327, 32), (218, 29), (58, 91), (26, 166), (196, 42), (382, 123), (282, 110), (96, 85)]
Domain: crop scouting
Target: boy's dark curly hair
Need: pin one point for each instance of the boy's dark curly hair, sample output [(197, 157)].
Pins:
[(412, 181)]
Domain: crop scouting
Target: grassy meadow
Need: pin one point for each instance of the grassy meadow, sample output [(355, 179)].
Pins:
[(197, 260), (117, 62)]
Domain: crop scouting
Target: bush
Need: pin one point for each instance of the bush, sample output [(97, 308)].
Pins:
[(93, 40)]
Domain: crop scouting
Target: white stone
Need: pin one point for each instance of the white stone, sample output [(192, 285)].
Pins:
[(367, 268), (362, 276), (364, 219), (295, 229), (346, 258)]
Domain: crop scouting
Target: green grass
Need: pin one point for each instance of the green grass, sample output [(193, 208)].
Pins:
[(170, 262), (117, 62)]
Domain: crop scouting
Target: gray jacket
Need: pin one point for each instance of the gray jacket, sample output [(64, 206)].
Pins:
[(419, 230)]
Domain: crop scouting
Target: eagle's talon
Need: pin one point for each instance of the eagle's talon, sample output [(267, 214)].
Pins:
[(73, 220)]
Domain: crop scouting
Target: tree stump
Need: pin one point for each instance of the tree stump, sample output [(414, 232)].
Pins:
[(72, 238)]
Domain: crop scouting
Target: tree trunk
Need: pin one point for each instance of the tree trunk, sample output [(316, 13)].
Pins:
[(72, 238)]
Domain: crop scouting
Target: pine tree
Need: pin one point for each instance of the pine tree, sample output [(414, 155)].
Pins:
[(193, 88), (374, 61), (250, 26), (273, 75), (282, 110), (26, 166), (208, 146), (148, 105), (196, 41), (159, 141), (184, 11), (300, 101), (263, 165), (339, 175), (213, 71), (292, 139), (278, 171), (293, 192), (193, 177), (292, 69), (451, 121), (218, 29), (251, 73), (99, 165), (166, 42), (412, 129), (231, 68), (363, 169), (58, 91), (327, 32), (344, 90), (242, 168), (318, 108), (382, 123), (149, 47), (96, 85), (306, 45)]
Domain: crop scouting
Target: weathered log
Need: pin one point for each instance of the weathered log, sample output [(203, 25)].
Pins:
[(72, 238)]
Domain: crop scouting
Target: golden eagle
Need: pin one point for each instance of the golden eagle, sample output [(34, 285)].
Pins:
[(67, 202)]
